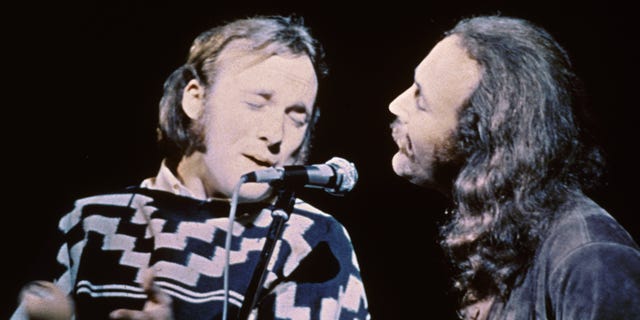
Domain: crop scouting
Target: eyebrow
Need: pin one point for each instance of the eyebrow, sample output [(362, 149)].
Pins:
[(267, 95), (264, 94), (298, 107)]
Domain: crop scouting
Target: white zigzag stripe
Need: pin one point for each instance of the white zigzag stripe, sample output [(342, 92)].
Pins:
[(111, 290), (353, 294), (294, 235), (93, 287), (174, 287), (122, 290), (301, 204), (214, 298), (286, 306), (112, 294)]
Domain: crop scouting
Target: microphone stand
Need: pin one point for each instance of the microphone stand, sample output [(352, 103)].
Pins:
[(280, 214)]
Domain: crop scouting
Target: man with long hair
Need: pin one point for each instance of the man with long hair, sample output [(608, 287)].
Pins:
[(493, 121)]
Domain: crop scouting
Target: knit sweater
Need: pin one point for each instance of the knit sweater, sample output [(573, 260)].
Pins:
[(111, 239)]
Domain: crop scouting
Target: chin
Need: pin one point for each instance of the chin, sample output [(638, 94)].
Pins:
[(411, 171), (402, 165), (254, 192)]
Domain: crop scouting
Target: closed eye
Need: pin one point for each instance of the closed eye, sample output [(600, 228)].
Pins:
[(298, 114), (257, 100), (254, 105), (419, 99)]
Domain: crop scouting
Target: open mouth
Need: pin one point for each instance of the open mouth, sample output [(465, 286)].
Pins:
[(401, 139), (408, 145)]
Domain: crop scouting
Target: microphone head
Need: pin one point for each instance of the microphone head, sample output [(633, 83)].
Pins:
[(346, 176)]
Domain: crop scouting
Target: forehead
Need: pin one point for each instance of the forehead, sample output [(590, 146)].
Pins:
[(240, 56), (282, 76), (448, 69)]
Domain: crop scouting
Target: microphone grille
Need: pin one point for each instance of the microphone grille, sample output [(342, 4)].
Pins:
[(346, 175)]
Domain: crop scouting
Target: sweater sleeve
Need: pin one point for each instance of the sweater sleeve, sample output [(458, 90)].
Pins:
[(71, 249)]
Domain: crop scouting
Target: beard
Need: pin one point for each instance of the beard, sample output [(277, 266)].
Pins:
[(431, 164)]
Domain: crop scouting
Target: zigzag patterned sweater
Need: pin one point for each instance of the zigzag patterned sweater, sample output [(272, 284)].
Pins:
[(111, 239)]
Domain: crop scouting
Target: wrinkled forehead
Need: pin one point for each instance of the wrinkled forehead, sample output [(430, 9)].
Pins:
[(266, 62), (269, 71), (243, 53)]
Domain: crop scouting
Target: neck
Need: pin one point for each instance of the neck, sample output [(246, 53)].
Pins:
[(191, 173)]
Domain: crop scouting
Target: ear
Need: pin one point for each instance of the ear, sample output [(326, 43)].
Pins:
[(193, 99)]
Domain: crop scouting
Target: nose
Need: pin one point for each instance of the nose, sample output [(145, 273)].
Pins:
[(397, 105), (271, 130)]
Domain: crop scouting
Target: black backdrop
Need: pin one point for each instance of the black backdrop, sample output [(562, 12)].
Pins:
[(83, 81)]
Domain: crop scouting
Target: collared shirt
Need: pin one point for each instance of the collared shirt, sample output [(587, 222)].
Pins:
[(165, 180)]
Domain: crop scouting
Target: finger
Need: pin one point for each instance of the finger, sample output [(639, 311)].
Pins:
[(127, 314), (44, 300), (147, 278), (154, 293), (158, 296)]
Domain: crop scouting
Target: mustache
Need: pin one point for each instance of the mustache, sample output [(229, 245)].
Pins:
[(396, 128), (395, 123)]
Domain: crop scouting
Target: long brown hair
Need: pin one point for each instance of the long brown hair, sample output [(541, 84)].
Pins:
[(525, 153)]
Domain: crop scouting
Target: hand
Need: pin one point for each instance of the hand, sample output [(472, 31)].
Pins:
[(44, 300), (157, 307)]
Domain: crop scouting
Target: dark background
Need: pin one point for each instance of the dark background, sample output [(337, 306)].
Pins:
[(83, 82)]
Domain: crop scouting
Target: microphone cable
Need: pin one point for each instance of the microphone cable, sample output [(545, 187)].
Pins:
[(227, 244)]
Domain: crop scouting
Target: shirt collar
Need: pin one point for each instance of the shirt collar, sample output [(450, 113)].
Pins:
[(165, 180)]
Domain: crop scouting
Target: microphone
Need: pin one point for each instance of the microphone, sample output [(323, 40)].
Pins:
[(336, 176)]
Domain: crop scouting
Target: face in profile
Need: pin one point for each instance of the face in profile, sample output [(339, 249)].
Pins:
[(427, 114), (255, 116)]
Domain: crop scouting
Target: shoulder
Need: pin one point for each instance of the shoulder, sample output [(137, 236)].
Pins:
[(310, 213), (304, 208), (591, 265), (313, 233), (583, 224), (101, 208), (315, 223), (588, 240)]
